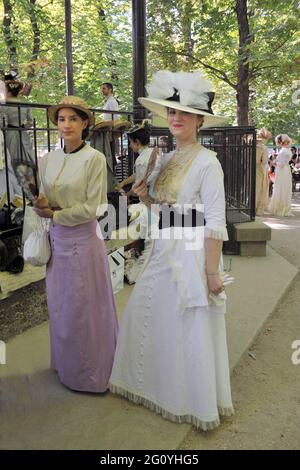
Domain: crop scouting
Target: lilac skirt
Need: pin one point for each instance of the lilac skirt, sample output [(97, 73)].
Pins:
[(83, 320)]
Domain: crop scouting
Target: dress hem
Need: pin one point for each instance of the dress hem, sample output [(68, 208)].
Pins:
[(189, 419)]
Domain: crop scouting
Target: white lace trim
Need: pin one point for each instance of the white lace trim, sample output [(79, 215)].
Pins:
[(190, 419), (217, 233)]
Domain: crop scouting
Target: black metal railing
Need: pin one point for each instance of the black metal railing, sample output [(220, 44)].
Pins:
[(235, 148), (44, 137)]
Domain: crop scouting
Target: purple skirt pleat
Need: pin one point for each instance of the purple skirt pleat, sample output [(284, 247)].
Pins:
[(83, 320)]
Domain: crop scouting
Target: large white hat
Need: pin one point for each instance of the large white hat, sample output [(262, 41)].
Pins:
[(186, 91)]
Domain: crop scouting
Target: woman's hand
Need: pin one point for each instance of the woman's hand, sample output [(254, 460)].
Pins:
[(140, 188), (41, 202), (46, 212), (118, 187), (214, 283)]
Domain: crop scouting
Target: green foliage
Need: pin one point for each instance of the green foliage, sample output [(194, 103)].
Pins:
[(102, 49), (203, 34), (181, 34)]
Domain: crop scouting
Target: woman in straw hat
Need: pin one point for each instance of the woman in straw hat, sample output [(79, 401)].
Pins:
[(172, 354), (262, 176), (281, 200), (83, 322), (18, 142)]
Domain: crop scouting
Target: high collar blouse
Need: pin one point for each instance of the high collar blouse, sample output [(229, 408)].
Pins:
[(76, 183)]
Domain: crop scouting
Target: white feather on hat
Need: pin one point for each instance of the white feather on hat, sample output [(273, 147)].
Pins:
[(186, 91), (191, 87)]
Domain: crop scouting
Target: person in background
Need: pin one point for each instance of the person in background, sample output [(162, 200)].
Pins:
[(110, 102), (262, 179), (83, 321), (139, 139), (294, 157), (271, 170), (281, 200), (18, 143)]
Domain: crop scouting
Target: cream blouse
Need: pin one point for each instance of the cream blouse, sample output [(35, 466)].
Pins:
[(75, 182)]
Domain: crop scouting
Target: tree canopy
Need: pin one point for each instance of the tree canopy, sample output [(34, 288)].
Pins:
[(250, 49)]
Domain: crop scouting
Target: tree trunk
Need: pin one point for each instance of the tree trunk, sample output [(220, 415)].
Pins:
[(8, 34), (69, 52), (112, 62), (36, 38), (186, 15), (245, 39)]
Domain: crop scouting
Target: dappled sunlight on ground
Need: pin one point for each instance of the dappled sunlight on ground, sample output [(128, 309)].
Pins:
[(285, 223)]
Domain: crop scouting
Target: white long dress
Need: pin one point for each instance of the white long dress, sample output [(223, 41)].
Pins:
[(280, 204), (172, 353)]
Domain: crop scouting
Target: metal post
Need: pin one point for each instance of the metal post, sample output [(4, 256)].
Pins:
[(139, 56), (68, 25)]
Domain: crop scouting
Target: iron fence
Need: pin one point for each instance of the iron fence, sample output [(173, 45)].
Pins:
[(235, 148), (44, 137)]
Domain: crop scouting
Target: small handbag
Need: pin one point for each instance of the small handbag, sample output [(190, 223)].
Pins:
[(37, 250)]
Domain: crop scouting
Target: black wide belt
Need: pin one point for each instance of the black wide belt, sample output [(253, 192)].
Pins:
[(169, 217)]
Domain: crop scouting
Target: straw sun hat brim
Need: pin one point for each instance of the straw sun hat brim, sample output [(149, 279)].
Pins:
[(52, 112), (159, 107), (104, 125)]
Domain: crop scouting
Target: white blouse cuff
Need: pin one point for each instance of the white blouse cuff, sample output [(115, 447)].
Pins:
[(216, 232)]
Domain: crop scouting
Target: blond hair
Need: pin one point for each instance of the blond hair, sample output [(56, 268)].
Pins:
[(283, 139), (263, 134)]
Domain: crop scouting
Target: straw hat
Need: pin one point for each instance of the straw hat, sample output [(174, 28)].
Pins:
[(12, 81), (103, 125), (185, 91), (71, 102), (145, 124), (120, 125)]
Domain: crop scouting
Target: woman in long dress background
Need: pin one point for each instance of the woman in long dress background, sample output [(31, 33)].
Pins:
[(19, 143), (83, 322), (281, 200), (262, 176), (171, 353)]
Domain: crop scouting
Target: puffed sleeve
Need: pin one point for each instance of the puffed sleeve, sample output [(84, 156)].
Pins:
[(213, 197), (42, 163), (96, 195)]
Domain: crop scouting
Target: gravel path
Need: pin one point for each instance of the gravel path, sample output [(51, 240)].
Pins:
[(23, 309)]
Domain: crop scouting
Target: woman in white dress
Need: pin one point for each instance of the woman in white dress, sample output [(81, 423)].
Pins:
[(138, 139), (281, 201), (172, 353), (262, 176)]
